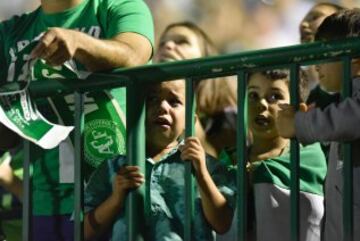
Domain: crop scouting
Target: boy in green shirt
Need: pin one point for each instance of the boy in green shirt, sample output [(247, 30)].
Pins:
[(215, 185)]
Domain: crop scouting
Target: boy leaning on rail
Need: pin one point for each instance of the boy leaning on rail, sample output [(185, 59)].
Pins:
[(106, 192)]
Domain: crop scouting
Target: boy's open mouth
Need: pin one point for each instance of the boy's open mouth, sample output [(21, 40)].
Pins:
[(262, 120), (162, 121)]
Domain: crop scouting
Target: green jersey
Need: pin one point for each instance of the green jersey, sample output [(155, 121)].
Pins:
[(53, 172), (271, 180)]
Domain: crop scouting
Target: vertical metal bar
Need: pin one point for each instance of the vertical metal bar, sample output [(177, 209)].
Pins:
[(135, 144), (27, 199), (348, 166), (241, 152), (294, 158), (78, 171), (189, 181)]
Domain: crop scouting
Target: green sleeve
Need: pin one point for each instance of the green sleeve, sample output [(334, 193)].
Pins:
[(129, 16)]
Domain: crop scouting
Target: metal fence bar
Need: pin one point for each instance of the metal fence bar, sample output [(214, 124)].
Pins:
[(205, 67), (348, 225), (242, 157), (294, 158), (78, 170), (189, 180), (135, 147), (27, 197)]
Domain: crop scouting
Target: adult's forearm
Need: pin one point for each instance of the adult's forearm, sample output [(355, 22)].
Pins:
[(214, 204), (337, 122), (124, 50)]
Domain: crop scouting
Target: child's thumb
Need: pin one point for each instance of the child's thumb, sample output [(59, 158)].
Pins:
[(303, 107)]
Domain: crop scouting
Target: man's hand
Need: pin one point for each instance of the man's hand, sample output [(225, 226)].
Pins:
[(194, 152), (285, 122), (56, 46), (59, 45), (128, 177)]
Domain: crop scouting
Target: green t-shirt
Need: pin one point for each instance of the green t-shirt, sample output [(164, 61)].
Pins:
[(277, 170), (104, 110)]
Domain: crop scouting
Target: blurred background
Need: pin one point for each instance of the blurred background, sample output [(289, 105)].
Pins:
[(234, 25)]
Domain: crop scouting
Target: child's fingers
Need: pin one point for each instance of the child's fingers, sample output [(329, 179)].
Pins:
[(134, 174), (131, 184), (126, 169), (192, 139), (189, 154), (125, 183), (188, 149), (191, 142)]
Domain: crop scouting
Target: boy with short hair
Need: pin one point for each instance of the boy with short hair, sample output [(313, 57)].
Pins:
[(337, 122), (107, 189)]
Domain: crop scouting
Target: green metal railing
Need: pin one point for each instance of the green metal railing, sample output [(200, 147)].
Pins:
[(192, 70)]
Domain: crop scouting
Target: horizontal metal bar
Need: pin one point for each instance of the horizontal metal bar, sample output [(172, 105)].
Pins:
[(203, 67)]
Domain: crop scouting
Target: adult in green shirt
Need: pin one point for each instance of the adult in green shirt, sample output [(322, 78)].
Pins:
[(90, 35)]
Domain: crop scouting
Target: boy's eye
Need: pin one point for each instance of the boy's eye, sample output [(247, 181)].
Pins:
[(253, 96), (175, 102), (182, 41), (275, 97)]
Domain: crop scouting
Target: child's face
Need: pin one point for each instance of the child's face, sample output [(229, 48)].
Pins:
[(165, 119), (264, 97), (312, 21), (330, 76), (178, 43)]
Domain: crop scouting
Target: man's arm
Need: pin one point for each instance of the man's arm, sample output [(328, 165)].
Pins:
[(337, 122), (127, 49)]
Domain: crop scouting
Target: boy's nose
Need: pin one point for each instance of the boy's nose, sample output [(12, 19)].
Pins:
[(262, 105), (170, 44), (163, 107)]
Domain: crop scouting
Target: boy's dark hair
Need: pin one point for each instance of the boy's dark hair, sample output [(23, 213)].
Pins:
[(277, 74), (342, 24), (209, 48)]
